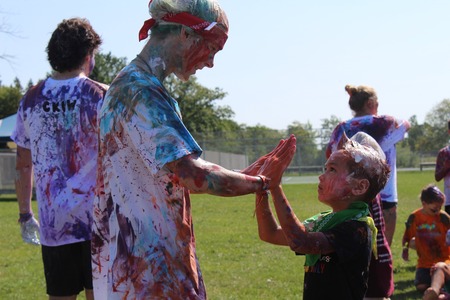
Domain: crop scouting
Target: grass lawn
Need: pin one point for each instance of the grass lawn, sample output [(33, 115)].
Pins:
[(234, 262)]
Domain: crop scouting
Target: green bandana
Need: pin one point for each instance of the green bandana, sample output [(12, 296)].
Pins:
[(327, 220)]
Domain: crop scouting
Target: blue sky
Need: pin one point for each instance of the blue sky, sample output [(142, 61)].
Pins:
[(285, 61)]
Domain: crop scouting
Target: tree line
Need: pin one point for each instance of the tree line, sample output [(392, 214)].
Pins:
[(213, 126)]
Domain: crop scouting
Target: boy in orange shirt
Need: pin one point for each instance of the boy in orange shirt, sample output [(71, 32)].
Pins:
[(428, 225)]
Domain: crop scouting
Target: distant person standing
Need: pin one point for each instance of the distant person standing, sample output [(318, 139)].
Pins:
[(443, 171), (57, 141), (387, 131)]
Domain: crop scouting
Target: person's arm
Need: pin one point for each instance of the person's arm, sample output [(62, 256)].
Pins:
[(268, 229), (29, 226), (298, 238), (442, 166), (407, 236), (24, 180), (407, 125), (201, 176)]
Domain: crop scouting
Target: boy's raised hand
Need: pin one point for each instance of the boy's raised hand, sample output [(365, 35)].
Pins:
[(254, 168), (274, 165)]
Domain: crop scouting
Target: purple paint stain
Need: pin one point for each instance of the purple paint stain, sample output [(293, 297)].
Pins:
[(80, 229), (377, 129)]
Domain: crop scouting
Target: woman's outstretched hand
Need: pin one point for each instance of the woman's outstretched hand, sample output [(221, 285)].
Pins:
[(254, 168), (273, 164)]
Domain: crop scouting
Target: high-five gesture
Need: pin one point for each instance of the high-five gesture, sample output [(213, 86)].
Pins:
[(276, 162)]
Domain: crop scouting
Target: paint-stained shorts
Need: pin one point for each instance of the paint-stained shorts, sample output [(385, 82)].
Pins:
[(67, 268)]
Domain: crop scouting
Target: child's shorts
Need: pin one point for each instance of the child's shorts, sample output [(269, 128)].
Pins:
[(422, 276)]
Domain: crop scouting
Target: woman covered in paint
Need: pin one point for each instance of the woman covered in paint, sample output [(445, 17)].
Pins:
[(143, 238), (338, 243), (386, 130)]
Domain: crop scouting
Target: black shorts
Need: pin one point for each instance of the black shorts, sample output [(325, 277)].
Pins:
[(388, 205), (423, 276), (67, 268)]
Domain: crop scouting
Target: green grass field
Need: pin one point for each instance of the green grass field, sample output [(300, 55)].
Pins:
[(235, 263)]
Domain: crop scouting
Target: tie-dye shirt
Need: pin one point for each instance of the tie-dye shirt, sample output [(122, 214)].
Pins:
[(143, 243), (387, 131), (57, 121), (443, 156)]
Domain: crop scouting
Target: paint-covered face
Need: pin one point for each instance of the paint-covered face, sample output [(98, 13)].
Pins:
[(335, 182), (200, 53), (432, 208)]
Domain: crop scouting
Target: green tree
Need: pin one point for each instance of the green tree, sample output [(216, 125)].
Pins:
[(259, 140), (229, 139), (307, 152), (439, 114), (9, 100), (415, 135), (326, 129), (201, 114), (210, 124), (107, 67), (435, 126)]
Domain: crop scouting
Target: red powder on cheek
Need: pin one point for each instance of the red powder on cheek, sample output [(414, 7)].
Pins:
[(202, 53), (336, 187), (196, 56)]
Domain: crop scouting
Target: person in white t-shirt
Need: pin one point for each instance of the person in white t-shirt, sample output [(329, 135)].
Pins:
[(57, 143)]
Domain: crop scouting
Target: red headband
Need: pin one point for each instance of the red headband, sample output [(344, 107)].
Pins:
[(183, 18)]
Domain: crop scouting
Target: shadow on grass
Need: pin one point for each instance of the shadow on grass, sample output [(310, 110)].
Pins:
[(8, 198), (405, 269), (404, 288), (11, 198), (403, 292)]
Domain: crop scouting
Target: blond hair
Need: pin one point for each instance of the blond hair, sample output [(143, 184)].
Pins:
[(359, 95)]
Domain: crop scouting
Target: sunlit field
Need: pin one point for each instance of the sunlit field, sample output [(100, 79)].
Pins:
[(234, 262)]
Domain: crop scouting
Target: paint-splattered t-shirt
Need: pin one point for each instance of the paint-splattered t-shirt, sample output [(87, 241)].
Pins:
[(387, 131), (430, 232), (342, 274), (443, 156), (143, 243), (57, 121)]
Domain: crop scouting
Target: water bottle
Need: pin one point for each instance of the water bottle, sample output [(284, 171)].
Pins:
[(30, 231)]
